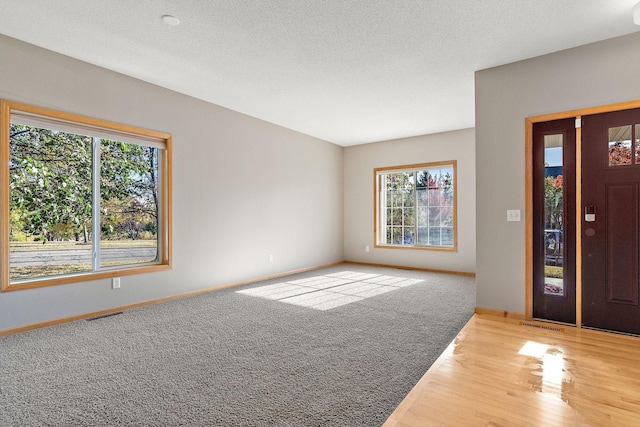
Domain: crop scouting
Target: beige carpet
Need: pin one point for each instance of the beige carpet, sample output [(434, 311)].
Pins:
[(237, 358)]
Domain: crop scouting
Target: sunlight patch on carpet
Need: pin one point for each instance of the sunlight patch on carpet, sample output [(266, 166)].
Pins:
[(330, 291)]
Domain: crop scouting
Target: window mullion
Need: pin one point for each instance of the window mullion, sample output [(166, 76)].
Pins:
[(415, 208), (95, 203), (382, 209)]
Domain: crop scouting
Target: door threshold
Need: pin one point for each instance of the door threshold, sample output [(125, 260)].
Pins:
[(609, 331)]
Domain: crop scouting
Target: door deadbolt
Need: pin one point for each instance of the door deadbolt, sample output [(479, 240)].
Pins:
[(589, 213)]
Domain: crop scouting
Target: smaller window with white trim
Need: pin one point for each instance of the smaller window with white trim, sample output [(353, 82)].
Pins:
[(415, 206)]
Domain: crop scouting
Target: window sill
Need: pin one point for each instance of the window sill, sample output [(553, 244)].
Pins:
[(419, 248), (84, 277)]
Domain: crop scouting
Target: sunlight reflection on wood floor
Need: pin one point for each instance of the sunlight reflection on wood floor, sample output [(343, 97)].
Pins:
[(502, 372)]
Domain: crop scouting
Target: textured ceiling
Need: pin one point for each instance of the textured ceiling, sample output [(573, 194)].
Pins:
[(346, 71)]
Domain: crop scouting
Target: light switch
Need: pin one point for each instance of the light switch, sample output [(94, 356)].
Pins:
[(513, 215)]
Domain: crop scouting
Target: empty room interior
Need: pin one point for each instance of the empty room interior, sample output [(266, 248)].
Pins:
[(285, 173)]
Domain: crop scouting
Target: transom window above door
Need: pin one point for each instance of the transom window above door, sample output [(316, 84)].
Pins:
[(624, 145)]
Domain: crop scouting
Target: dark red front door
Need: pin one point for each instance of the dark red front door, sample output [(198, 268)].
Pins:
[(610, 231)]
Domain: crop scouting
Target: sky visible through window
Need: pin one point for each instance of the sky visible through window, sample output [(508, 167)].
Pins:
[(553, 156)]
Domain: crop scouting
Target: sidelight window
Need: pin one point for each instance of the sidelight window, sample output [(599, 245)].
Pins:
[(554, 215)]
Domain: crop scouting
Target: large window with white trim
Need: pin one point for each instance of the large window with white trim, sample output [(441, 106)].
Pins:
[(415, 206), (82, 198)]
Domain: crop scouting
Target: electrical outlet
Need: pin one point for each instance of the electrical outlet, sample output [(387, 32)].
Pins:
[(513, 215), (366, 248), (271, 258), (115, 283)]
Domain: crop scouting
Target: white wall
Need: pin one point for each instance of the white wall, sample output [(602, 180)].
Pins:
[(359, 163), (243, 188), (592, 75)]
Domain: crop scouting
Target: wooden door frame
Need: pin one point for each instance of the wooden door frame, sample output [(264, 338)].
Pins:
[(528, 123)]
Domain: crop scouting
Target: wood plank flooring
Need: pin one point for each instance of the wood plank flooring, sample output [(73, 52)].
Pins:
[(503, 372)]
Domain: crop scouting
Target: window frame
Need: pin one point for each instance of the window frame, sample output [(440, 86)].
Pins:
[(164, 262), (378, 172)]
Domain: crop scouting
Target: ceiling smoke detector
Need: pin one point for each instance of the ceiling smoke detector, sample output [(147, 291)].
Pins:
[(170, 20), (635, 12)]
